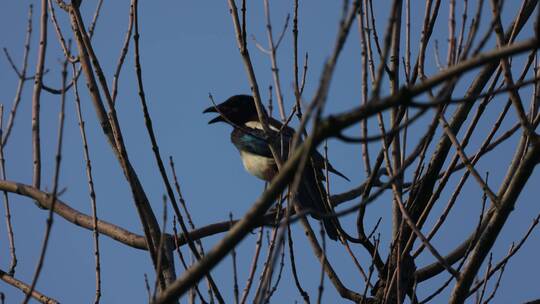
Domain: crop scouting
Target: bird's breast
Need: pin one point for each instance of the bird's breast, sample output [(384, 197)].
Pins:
[(259, 166)]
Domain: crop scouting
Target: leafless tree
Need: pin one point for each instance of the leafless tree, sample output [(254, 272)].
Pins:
[(469, 106)]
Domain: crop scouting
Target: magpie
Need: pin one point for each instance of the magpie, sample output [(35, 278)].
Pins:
[(253, 144)]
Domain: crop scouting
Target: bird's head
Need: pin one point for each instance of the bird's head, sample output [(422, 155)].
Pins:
[(238, 110)]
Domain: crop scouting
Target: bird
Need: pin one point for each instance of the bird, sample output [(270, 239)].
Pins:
[(252, 142)]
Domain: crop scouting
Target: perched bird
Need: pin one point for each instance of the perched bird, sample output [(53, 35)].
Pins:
[(249, 138)]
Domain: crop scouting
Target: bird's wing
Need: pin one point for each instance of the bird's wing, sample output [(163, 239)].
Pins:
[(252, 142), (287, 134), (311, 195), (282, 135)]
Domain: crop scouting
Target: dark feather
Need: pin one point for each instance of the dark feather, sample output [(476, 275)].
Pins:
[(311, 195), (249, 142)]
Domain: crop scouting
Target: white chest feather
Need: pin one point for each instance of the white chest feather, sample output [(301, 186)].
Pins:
[(260, 166)]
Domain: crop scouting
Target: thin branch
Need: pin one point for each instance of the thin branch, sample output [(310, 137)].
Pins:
[(320, 289), (59, 34), (280, 272), (36, 97), (265, 278), (253, 267), (21, 74), (294, 270), (26, 289), (157, 155), (514, 96), (11, 238), (91, 189), (183, 261), (58, 157), (273, 46), (123, 54), (235, 271), (159, 279), (467, 162), (183, 204)]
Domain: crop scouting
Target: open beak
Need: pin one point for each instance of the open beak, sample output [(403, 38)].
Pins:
[(212, 109)]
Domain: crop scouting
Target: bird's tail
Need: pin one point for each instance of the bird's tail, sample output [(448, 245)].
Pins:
[(331, 229), (311, 195)]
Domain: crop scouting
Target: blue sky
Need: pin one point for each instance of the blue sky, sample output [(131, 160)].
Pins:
[(189, 50)]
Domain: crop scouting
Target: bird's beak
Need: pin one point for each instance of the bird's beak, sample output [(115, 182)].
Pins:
[(213, 109), (217, 119)]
